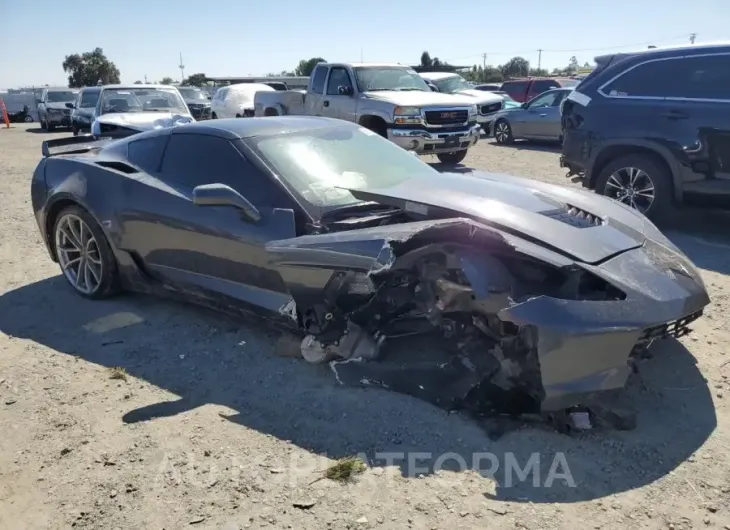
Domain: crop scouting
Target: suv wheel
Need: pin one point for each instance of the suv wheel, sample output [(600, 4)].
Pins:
[(637, 181)]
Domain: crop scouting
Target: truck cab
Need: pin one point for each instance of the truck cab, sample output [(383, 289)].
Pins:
[(391, 100)]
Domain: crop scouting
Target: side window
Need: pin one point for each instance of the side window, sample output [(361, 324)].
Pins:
[(705, 77), (515, 87), (542, 85), (195, 159), (545, 100), (338, 77), (650, 79), (320, 73), (146, 154)]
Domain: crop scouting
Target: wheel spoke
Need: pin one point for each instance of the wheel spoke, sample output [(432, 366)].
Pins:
[(71, 263), (78, 254), (69, 237)]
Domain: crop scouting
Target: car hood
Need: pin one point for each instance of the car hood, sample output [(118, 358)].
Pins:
[(142, 121), (420, 98), (84, 111), (581, 225), (482, 98), (202, 102)]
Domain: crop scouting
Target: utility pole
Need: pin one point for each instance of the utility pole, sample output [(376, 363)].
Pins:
[(182, 69), (145, 79), (484, 61), (361, 55), (539, 58), (692, 37)]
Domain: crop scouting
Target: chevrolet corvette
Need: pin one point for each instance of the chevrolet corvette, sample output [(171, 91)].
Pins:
[(482, 291)]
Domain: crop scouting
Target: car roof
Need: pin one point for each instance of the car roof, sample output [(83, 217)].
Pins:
[(666, 50), (435, 76), (250, 87), (61, 89), (237, 128)]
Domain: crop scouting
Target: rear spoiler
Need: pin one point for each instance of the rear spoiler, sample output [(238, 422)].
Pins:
[(72, 145)]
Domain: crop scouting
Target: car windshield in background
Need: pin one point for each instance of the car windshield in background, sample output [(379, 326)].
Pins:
[(61, 96), (372, 78), (452, 84), (89, 99), (319, 163), (142, 100), (192, 93)]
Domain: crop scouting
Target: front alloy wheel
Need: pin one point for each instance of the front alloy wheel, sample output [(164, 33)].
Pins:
[(79, 254), (503, 132), (631, 186)]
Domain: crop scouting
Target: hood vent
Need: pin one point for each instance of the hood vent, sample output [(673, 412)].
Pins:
[(574, 216)]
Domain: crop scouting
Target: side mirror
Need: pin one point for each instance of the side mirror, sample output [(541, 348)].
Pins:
[(524, 105), (433, 87), (344, 90), (70, 105), (222, 195), (209, 98)]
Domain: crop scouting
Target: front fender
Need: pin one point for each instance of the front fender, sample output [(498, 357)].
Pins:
[(372, 108)]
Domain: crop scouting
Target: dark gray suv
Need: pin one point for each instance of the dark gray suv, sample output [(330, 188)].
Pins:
[(652, 128)]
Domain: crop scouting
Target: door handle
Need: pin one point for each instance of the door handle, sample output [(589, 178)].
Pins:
[(675, 115), (543, 115), (326, 103)]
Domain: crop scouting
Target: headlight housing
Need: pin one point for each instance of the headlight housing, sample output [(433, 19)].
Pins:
[(473, 112), (407, 115), (407, 111)]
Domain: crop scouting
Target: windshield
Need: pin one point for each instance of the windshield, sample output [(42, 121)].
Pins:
[(89, 99), (317, 163), (569, 83), (452, 84), (192, 93), (61, 96), (370, 78), (142, 99)]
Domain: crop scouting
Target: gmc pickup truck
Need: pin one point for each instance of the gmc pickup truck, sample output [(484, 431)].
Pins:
[(389, 99)]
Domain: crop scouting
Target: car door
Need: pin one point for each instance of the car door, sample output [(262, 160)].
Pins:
[(212, 252), (315, 92), (336, 105), (543, 116), (697, 109)]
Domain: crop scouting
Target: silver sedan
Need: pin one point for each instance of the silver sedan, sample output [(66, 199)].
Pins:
[(538, 119)]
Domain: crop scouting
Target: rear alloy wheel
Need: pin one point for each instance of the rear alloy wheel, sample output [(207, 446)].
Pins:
[(503, 132), (28, 119), (452, 158), (639, 182), (44, 126), (84, 254)]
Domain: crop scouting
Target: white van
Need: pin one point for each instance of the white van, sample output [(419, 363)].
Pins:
[(236, 101)]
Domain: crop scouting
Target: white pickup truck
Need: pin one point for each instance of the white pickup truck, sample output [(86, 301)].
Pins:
[(389, 99)]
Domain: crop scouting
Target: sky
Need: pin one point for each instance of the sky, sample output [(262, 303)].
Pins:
[(255, 37)]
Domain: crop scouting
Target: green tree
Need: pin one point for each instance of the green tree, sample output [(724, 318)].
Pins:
[(138, 82), (89, 69), (538, 72), (166, 81), (515, 67), (196, 80), (429, 64), (306, 66), (572, 68)]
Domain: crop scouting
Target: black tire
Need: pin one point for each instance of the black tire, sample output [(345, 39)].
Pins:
[(214, 116), (28, 119), (75, 129), (452, 158), (109, 284), (658, 175), (378, 127), (503, 132), (50, 127), (44, 125)]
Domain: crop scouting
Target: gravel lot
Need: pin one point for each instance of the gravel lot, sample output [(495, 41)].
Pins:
[(213, 429)]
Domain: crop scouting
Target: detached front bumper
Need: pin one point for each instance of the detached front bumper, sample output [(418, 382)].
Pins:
[(423, 141)]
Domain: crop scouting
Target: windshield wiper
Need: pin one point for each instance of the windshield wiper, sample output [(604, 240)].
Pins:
[(378, 89), (411, 89)]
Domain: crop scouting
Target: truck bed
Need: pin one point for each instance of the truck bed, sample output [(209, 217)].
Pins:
[(287, 102)]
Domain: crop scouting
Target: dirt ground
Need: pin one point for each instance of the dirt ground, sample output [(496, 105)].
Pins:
[(212, 429)]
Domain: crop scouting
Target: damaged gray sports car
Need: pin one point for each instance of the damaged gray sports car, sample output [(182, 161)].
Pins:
[(478, 291)]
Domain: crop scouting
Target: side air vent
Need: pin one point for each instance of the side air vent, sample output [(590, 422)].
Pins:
[(117, 166), (574, 216)]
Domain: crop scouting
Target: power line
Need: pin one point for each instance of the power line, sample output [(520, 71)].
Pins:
[(525, 52)]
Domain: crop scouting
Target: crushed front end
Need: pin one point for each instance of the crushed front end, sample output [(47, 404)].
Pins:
[(465, 316)]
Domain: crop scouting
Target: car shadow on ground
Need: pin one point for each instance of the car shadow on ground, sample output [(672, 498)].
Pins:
[(207, 358), (529, 145), (702, 235)]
